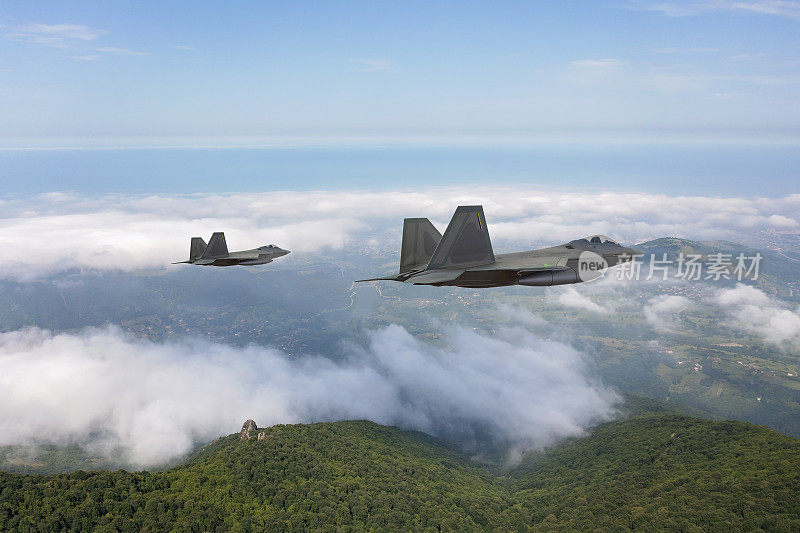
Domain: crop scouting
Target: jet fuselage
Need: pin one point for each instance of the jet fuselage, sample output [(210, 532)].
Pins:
[(556, 265)]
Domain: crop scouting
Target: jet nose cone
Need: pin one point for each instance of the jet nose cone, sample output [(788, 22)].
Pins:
[(633, 252), (285, 252)]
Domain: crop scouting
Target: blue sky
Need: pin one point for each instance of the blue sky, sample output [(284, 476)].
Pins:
[(398, 69)]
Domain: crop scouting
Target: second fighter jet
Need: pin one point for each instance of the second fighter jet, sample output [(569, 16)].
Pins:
[(463, 257), (215, 253)]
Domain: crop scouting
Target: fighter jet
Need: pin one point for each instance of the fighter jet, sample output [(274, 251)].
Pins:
[(463, 257), (216, 253)]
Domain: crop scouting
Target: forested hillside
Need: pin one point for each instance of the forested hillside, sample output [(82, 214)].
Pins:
[(655, 471), (668, 471)]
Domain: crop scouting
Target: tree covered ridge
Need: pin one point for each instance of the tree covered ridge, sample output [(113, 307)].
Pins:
[(667, 472), (661, 471)]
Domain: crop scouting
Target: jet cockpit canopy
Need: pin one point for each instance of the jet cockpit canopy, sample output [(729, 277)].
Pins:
[(600, 239)]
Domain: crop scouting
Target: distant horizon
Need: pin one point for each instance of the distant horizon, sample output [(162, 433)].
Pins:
[(734, 169), (476, 140)]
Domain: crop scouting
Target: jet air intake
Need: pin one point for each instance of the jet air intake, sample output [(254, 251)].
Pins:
[(549, 277)]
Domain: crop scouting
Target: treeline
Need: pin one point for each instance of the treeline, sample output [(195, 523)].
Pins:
[(655, 472)]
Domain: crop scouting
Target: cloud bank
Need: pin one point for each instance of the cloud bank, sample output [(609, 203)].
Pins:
[(151, 402), (752, 310), (54, 232)]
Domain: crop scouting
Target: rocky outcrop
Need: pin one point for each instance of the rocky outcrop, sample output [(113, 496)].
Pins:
[(247, 428)]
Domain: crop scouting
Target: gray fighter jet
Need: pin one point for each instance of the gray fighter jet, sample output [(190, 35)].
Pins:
[(463, 257), (216, 253)]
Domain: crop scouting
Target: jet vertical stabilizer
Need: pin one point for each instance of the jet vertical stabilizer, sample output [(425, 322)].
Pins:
[(420, 238), (216, 246), (197, 248), (465, 242)]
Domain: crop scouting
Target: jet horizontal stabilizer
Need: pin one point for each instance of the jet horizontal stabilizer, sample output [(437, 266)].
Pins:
[(387, 278)]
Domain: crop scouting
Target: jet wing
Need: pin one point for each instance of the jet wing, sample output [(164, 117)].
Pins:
[(522, 262)]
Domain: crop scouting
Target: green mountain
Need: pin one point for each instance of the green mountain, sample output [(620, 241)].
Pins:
[(779, 275), (666, 472), (704, 248), (48, 458), (656, 471)]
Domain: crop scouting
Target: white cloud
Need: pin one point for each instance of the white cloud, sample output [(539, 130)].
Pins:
[(677, 50), (598, 63), (54, 34), (662, 312), (371, 65), (114, 393), (569, 296), (68, 36), (750, 57), (671, 78), (594, 72), (779, 221), (701, 79), (783, 8), (750, 309), (60, 231), (113, 50)]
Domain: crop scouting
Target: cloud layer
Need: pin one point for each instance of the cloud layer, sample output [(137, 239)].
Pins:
[(749, 309), (59, 231), (150, 402)]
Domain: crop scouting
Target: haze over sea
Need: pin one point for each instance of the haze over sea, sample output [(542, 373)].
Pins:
[(744, 169)]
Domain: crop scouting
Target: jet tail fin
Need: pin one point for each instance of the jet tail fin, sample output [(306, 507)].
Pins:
[(197, 248), (216, 246), (465, 242), (420, 238)]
